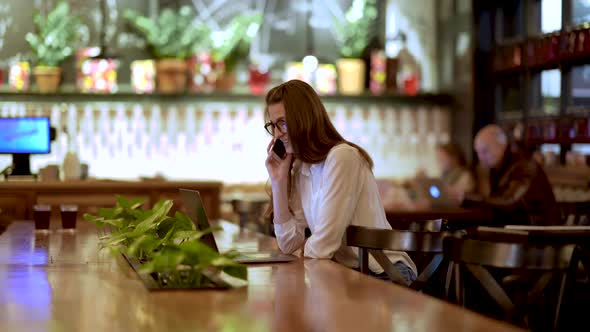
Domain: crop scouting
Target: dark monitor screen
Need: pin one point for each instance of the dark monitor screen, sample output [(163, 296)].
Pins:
[(25, 135)]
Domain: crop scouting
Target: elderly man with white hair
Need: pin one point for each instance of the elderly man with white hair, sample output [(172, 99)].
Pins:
[(520, 192)]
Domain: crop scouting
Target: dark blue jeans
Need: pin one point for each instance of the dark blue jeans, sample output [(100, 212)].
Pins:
[(405, 271)]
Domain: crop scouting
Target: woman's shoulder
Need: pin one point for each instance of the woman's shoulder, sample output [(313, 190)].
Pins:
[(343, 152)]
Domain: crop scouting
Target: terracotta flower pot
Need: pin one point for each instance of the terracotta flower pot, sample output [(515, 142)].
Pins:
[(351, 76), (47, 78), (171, 75), (225, 82)]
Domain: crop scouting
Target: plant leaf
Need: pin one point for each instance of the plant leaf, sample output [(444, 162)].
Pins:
[(183, 222), (119, 223), (166, 260), (182, 236), (198, 253), (165, 226), (231, 267), (159, 212), (56, 35)]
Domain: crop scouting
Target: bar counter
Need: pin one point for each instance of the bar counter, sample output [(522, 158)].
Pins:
[(61, 282), (17, 198)]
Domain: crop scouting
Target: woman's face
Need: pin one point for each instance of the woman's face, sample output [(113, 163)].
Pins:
[(276, 113), (445, 161)]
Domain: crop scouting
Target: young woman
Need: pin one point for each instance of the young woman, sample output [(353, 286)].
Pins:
[(324, 182), (455, 173)]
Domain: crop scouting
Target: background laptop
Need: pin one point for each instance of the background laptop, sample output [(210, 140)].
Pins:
[(196, 211), (433, 189)]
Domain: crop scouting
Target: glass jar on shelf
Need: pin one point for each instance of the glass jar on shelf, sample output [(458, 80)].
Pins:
[(568, 44), (583, 42), (532, 52), (582, 127), (553, 55), (534, 132), (550, 131), (516, 56)]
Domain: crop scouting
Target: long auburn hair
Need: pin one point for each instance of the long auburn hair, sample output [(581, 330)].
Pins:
[(454, 151), (311, 133)]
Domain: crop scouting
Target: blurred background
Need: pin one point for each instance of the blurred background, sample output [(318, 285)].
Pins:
[(173, 90)]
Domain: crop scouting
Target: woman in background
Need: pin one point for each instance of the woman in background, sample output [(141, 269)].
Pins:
[(324, 182), (455, 176), (454, 171)]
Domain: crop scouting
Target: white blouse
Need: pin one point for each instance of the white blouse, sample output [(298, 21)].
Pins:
[(328, 197)]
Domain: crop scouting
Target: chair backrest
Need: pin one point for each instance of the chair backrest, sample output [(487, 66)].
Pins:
[(574, 213), (385, 239), (434, 225), (498, 234), (430, 225), (508, 255)]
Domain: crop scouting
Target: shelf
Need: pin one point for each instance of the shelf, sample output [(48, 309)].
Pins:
[(125, 94)]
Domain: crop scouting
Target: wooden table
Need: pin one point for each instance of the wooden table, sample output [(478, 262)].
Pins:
[(399, 218), (60, 282), (536, 234)]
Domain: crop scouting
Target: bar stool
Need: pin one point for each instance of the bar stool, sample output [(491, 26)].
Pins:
[(373, 241), (476, 257)]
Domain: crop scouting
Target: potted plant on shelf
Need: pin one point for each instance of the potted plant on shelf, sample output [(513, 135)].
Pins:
[(166, 248), (56, 39), (233, 44), (354, 34), (171, 38)]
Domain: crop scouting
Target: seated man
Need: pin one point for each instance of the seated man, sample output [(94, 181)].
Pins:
[(519, 191)]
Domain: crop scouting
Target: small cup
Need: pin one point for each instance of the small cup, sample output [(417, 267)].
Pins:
[(69, 213), (42, 215), (49, 173)]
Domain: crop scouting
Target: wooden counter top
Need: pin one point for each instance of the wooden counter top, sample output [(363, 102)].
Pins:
[(18, 197), (92, 185), (60, 282)]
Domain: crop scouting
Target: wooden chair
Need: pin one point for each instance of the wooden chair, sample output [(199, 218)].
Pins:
[(373, 241), (574, 213), (429, 225), (434, 225), (477, 256)]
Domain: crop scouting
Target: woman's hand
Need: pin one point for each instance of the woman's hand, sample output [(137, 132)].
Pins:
[(456, 194), (278, 170)]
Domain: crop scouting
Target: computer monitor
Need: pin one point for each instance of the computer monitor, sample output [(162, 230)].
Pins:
[(22, 137)]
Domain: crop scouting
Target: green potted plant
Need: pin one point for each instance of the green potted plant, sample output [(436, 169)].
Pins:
[(166, 246), (55, 40), (354, 34), (171, 38), (233, 44)]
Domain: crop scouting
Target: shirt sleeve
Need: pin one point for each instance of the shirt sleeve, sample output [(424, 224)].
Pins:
[(338, 198), (291, 234), (465, 183)]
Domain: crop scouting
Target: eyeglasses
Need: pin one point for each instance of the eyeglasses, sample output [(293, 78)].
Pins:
[(270, 126)]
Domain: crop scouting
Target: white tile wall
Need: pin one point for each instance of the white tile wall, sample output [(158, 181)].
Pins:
[(222, 140)]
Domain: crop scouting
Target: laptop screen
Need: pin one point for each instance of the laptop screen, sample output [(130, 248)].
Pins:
[(196, 211)]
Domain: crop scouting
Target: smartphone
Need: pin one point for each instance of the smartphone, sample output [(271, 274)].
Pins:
[(279, 149)]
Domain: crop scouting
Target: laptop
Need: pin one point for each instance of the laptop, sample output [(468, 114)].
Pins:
[(196, 211), (433, 190)]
